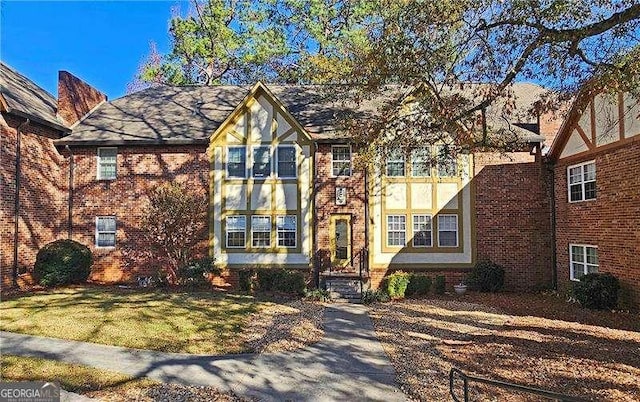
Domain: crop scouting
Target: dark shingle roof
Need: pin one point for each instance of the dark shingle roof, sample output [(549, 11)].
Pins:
[(174, 115), (26, 98)]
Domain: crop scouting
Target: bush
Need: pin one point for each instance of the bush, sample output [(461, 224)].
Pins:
[(62, 262), (396, 284), (439, 286), (280, 280), (419, 285), (245, 280), (374, 296), (487, 277), (597, 291), (194, 273), (316, 295)]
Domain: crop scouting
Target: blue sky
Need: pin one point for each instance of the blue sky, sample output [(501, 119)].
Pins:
[(102, 42)]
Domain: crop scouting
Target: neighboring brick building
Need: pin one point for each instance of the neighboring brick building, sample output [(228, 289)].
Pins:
[(596, 158), (283, 190)]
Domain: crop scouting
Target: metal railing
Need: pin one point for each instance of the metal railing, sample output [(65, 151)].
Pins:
[(466, 379)]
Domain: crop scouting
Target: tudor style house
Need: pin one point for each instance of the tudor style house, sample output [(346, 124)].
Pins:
[(283, 191)]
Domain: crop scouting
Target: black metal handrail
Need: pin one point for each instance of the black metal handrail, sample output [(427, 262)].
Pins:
[(466, 379)]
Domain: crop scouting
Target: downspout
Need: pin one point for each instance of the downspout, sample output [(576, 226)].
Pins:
[(366, 214), (16, 216), (554, 267), (70, 201), (314, 253)]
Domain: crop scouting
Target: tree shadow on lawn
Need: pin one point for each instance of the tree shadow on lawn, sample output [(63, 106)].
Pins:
[(543, 355)]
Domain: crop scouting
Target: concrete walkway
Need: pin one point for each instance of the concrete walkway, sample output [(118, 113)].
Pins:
[(348, 364)]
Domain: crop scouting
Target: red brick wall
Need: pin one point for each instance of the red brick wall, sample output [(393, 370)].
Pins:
[(139, 170), (611, 221), (513, 218), (43, 191), (326, 205), (453, 276), (76, 98)]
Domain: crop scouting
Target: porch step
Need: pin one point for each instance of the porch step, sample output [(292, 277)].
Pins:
[(344, 290)]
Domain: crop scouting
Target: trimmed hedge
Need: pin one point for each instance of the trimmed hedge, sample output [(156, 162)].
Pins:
[(396, 284), (487, 276), (194, 274), (597, 291), (374, 296), (439, 286), (62, 262), (419, 285), (280, 280)]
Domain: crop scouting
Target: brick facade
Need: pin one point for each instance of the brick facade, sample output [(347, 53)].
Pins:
[(76, 98), (611, 221), (43, 193), (325, 202), (139, 170), (513, 217)]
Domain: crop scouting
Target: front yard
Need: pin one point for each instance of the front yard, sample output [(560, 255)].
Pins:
[(185, 322), (533, 340)]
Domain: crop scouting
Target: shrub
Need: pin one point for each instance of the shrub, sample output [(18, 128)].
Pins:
[(316, 295), (245, 280), (194, 273), (597, 291), (62, 262), (396, 284), (419, 285), (487, 276), (439, 286), (280, 280), (374, 296)]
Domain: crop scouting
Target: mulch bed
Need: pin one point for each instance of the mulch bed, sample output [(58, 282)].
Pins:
[(534, 340)]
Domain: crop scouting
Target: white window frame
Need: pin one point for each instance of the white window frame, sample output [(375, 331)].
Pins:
[(227, 231), (114, 232), (99, 163), (401, 159), (260, 231), (244, 149), (334, 161), (389, 231), (414, 231), (584, 263), (295, 161), (279, 231), (582, 181), (440, 230), (441, 162), (253, 162), (414, 151)]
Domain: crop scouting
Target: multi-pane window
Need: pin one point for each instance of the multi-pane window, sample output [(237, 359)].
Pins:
[(422, 230), (421, 162), (395, 163), (396, 230), (261, 162), (236, 226), (286, 161), (286, 230), (447, 162), (236, 162), (582, 181), (341, 160), (107, 162), (448, 230), (106, 231), (583, 260), (261, 231)]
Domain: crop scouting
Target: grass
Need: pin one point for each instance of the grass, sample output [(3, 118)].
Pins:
[(199, 323), (72, 377)]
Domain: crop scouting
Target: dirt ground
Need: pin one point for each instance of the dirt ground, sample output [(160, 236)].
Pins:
[(534, 340)]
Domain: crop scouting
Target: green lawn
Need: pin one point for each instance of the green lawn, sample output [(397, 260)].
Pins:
[(72, 377), (202, 323)]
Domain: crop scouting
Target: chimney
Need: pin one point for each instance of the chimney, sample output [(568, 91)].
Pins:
[(76, 98)]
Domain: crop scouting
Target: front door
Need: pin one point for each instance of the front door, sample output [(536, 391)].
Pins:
[(340, 240)]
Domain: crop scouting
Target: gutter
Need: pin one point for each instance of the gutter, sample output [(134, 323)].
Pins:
[(168, 141), (70, 196), (554, 256), (16, 215)]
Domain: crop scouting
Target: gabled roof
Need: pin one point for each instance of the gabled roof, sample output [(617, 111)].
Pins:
[(186, 115), (25, 98)]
